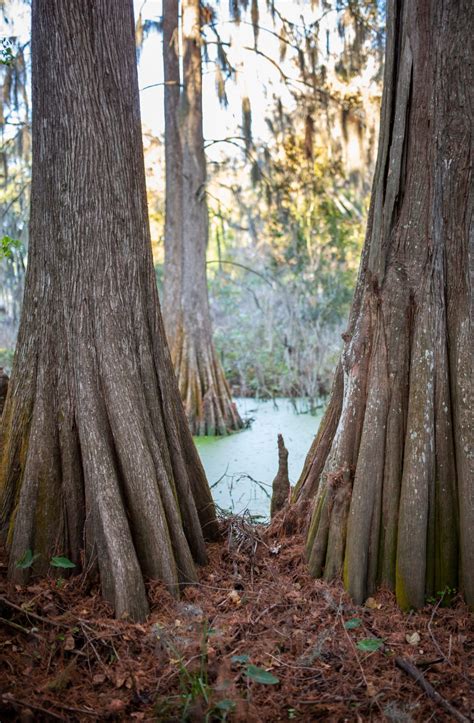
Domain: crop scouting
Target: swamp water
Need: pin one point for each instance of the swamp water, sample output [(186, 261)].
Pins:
[(240, 468)]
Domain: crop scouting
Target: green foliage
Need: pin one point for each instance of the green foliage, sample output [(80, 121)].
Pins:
[(260, 675), (62, 562), (286, 241), (224, 707), (254, 673), (27, 560), (369, 645), (240, 659), (298, 220), (7, 245), (353, 623), (6, 52), (196, 692), (443, 597), (6, 358), (292, 281)]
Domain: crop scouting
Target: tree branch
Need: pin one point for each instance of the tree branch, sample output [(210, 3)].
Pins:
[(415, 673)]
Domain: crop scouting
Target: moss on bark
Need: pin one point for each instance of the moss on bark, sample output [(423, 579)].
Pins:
[(402, 415)]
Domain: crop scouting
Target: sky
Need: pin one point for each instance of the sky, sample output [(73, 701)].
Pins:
[(256, 78)]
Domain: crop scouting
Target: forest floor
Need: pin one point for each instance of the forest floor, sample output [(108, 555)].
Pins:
[(256, 640)]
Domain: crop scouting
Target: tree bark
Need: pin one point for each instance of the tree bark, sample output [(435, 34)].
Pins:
[(172, 313), (281, 484), (4, 379), (391, 471), (97, 462), (202, 384)]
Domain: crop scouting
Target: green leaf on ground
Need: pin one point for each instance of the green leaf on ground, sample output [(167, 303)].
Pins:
[(260, 675), (369, 645), (63, 562), (352, 623), (225, 705), (240, 658)]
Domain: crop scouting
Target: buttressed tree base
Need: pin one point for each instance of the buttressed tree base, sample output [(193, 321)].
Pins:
[(391, 469), (97, 461)]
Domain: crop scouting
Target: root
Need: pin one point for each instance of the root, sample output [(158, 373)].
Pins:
[(385, 507), (115, 475), (203, 388)]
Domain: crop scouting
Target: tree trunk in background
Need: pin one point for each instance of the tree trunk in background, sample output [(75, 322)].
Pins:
[(202, 384), (97, 462), (172, 315), (4, 379), (391, 469)]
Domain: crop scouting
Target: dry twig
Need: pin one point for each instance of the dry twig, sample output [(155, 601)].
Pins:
[(411, 669)]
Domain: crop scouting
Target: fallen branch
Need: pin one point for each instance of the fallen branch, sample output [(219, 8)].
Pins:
[(29, 614), (15, 626), (25, 704), (16, 703), (413, 672)]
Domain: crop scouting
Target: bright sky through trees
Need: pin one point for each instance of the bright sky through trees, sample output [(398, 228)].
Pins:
[(257, 76)]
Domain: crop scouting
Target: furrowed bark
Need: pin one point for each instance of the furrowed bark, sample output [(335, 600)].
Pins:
[(97, 462), (391, 473), (281, 484), (204, 390), (4, 379), (172, 286)]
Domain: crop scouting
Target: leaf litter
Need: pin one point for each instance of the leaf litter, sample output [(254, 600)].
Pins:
[(256, 640)]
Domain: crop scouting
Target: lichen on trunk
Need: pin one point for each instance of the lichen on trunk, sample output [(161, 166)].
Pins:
[(390, 475), (97, 462)]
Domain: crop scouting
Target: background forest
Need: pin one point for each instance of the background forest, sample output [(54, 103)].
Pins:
[(291, 96), (260, 124)]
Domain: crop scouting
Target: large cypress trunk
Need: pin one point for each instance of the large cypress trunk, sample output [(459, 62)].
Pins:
[(202, 384), (391, 469), (97, 462)]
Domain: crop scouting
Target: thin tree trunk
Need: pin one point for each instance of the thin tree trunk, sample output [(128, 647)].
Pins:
[(172, 313), (392, 468), (202, 384), (4, 379), (97, 462)]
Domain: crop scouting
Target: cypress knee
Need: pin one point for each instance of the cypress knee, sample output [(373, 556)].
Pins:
[(281, 483)]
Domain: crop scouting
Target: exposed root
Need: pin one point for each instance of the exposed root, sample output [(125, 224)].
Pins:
[(400, 419), (120, 487), (203, 387)]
